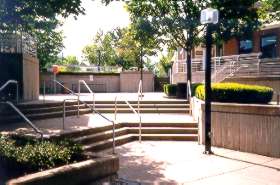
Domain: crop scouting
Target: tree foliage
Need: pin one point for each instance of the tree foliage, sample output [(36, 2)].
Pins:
[(118, 47), (28, 15), (165, 63), (101, 52), (39, 18), (177, 23)]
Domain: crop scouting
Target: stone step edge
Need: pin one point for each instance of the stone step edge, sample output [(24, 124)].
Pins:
[(102, 145), (129, 130)]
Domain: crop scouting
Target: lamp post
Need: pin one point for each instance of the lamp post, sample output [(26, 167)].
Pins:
[(99, 60), (208, 17)]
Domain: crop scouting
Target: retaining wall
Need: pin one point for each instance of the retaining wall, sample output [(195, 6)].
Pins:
[(244, 127)]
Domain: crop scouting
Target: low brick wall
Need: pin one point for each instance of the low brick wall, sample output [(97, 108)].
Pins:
[(73, 174), (244, 127)]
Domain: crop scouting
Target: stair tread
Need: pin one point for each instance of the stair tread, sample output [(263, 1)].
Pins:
[(88, 146), (99, 134)]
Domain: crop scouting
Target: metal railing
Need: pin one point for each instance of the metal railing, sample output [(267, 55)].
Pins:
[(137, 113), (93, 110), (189, 96), (64, 111), (88, 88), (36, 129), (11, 82)]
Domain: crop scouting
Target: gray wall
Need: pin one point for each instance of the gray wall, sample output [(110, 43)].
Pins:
[(123, 82), (244, 127)]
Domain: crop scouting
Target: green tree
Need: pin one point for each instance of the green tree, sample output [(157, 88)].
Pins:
[(49, 45), (27, 15), (39, 18), (164, 64), (177, 23), (71, 63), (101, 51)]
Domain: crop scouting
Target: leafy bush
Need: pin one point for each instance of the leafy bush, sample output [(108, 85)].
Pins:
[(38, 155), (170, 89), (238, 93), (194, 86)]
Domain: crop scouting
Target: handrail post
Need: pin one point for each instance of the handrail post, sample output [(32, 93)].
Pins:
[(17, 93), (114, 126), (63, 119), (79, 91), (44, 91), (140, 121), (278, 98)]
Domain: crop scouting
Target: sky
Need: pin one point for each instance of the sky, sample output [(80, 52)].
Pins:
[(78, 33)]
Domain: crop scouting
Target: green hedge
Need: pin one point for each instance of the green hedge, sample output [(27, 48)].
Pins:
[(194, 87), (33, 155), (238, 93), (170, 89)]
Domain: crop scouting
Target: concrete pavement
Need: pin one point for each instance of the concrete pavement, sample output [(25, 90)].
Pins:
[(183, 163)]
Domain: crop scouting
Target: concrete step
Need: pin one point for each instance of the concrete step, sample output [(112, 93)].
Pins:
[(163, 130), (80, 133), (108, 134), (101, 136), (55, 104), (48, 115), (154, 124), (168, 137), (106, 107), (103, 145)]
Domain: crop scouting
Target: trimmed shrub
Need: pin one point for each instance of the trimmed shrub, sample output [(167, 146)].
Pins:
[(170, 89), (33, 155), (237, 93), (194, 86)]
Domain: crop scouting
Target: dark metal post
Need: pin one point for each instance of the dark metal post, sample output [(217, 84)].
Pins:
[(141, 63), (208, 91), (99, 53)]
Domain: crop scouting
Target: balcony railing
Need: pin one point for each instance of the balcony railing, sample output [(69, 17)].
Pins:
[(18, 43), (245, 65)]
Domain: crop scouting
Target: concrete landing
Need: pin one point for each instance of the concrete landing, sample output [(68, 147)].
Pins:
[(183, 163), (54, 126)]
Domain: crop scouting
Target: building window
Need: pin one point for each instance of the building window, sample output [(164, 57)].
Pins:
[(245, 46), (269, 46)]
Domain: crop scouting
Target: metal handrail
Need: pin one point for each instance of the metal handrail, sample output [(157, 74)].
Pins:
[(134, 111), (11, 82), (64, 114), (36, 129), (88, 88), (91, 107), (189, 95), (140, 97)]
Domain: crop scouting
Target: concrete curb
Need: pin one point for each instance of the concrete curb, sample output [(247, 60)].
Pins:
[(72, 174)]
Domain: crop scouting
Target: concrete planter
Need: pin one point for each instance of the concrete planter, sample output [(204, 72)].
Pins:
[(72, 174), (250, 128)]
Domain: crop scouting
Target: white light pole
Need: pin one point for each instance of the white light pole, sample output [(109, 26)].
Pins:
[(208, 17)]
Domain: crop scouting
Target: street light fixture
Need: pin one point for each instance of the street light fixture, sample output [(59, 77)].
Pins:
[(208, 17)]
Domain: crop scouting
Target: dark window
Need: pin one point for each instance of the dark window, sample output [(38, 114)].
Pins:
[(245, 46), (269, 46)]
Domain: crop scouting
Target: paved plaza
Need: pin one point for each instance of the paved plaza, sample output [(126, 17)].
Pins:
[(184, 163)]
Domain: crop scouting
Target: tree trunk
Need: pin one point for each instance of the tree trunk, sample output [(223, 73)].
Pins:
[(189, 66)]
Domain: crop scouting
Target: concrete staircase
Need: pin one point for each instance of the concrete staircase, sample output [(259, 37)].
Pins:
[(99, 139), (38, 111)]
